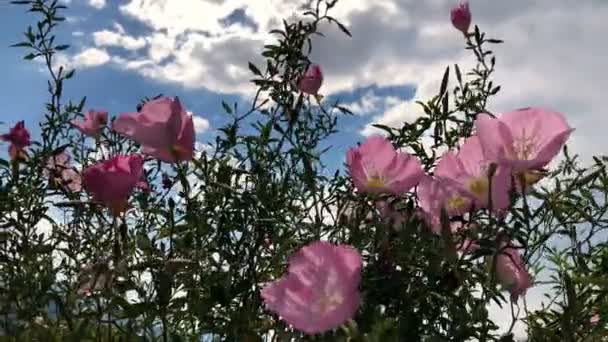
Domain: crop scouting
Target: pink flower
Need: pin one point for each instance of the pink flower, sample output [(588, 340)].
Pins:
[(595, 319), (312, 80), (163, 128), (511, 271), (435, 195), (111, 182), (525, 140), (376, 167), (468, 171), (19, 139), (92, 124), (461, 17), (59, 170), (320, 291)]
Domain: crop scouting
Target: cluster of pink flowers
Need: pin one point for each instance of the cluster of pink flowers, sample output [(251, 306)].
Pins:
[(163, 129), (505, 155), (320, 291)]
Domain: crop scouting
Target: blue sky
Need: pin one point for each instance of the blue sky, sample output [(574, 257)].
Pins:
[(108, 86), (553, 56)]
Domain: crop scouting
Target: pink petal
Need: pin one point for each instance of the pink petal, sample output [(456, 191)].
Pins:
[(320, 291), (545, 131)]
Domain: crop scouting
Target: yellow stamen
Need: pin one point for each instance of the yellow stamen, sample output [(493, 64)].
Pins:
[(457, 202), (479, 187), (376, 182), (329, 303)]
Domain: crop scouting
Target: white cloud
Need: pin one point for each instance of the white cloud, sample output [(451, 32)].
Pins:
[(90, 57), (111, 38), (98, 4), (200, 124)]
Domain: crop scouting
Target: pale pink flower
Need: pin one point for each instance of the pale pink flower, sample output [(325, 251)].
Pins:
[(19, 139), (93, 123), (511, 271), (59, 170), (320, 291), (461, 16), (111, 182), (468, 171), (311, 81), (435, 195), (376, 167), (525, 140), (163, 128)]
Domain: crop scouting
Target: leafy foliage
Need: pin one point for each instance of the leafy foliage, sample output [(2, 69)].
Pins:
[(188, 260)]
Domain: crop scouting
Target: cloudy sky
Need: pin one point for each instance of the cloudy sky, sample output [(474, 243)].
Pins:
[(554, 56)]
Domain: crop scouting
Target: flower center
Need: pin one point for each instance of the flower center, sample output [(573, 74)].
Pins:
[(479, 187), (524, 147), (376, 182), (178, 152), (329, 303), (457, 203)]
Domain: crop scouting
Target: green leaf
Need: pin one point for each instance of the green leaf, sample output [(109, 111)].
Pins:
[(458, 74), (31, 56), (226, 107), (444, 81), (343, 29), (22, 44), (254, 69)]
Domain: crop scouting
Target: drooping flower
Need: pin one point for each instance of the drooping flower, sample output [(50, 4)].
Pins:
[(59, 171), (525, 140), (111, 182), (511, 271), (163, 128), (376, 167), (19, 139), (469, 171), (461, 17), (320, 291), (93, 123), (436, 195), (311, 81)]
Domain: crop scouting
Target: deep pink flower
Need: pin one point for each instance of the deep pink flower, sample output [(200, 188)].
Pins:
[(163, 128), (376, 167), (511, 271), (525, 140), (111, 182), (312, 80), (93, 123), (461, 16), (320, 291), (19, 139), (468, 171), (435, 195), (59, 171)]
